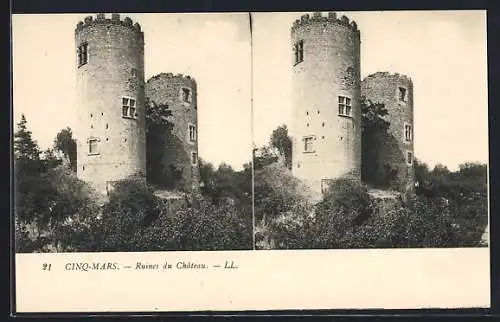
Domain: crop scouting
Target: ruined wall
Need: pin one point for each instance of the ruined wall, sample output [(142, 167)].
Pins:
[(114, 70), (180, 149), (395, 157), (330, 68)]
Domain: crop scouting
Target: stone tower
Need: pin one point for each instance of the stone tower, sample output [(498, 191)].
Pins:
[(395, 156), (180, 154), (110, 130), (326, 99)]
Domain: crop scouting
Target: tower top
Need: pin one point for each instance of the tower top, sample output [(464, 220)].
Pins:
[(171, 76), (330, 17), (115, 19), (389, 75)]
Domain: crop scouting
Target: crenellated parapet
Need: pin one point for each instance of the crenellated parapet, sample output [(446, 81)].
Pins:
[(385, 75), (320, 17), (115, 19), (186, 79)]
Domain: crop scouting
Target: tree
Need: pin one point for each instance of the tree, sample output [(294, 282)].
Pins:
[(263, 157), (422, 172), (207, 177), (283, 143), (66, 144), (24, 145), (46, 203), (31, 189), (277, 192), (345, 207), (134, 219), (131, 208), (50, 159)]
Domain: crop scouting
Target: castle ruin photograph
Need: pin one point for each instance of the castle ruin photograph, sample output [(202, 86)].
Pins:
[(249, 131), (136, 155), (363, 142)]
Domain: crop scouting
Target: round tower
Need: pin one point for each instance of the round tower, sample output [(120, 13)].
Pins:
[(326, 99), (392, 164), (180, 153), (110, 91)]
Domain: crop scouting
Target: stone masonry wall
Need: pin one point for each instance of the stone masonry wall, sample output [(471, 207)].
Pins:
[(115, 69), (167, 88), (330, 68), (394, 151)]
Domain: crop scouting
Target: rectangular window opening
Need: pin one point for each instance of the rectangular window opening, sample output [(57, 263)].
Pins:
[(309, 144), (194, 158), (345, 108), (129, 109), (93, 146)]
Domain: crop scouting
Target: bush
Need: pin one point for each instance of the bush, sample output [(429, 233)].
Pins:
[(348, 218), (206, 227), (134, 219), (277, 192)]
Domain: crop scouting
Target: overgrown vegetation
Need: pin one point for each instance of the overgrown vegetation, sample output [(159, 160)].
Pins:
[(449, 209), (54, 210)]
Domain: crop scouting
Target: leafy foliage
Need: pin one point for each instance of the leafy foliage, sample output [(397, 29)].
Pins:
[(281, 141), (205, 227), (135, 219), (66, 144), (57, 211), (449, 210), (224, 183), (276, 192), (263, 157), (25, 148)]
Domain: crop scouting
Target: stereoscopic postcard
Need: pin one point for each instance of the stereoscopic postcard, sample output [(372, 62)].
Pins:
[(250, 161)]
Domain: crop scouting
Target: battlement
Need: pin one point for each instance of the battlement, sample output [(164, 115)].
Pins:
[(330, 17), (389, 75), (182, 77), (115, 19)]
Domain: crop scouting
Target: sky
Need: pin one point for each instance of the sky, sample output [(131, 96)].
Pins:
[(444, 52), (212, 48)]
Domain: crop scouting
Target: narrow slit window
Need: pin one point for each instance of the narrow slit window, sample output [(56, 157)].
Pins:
[(194, 158), (192, 133), (408, 133), (402, 94), (295, 54), (409, 157), (83, 56), (301, 51), (186, 95), (298, 51)]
